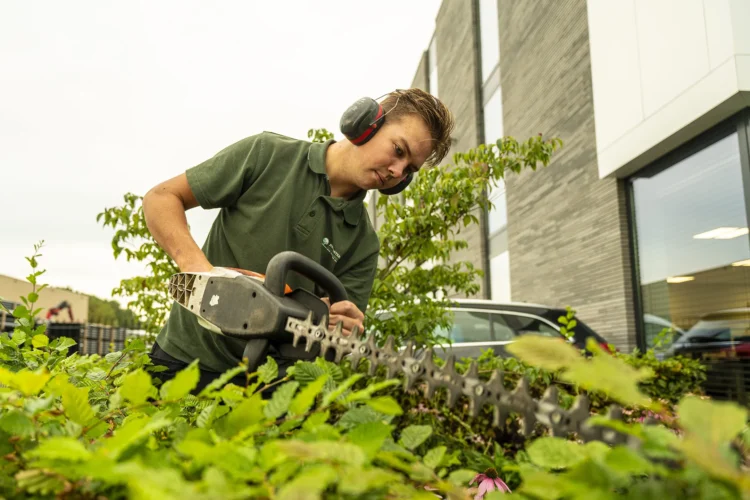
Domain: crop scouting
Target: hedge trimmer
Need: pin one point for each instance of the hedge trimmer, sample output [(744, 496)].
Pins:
[(264, 311)]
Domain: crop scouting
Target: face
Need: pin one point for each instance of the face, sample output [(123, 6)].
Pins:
[(400, 147)]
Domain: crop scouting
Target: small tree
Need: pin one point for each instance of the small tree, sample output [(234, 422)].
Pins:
[(149, 294), (419, 235)]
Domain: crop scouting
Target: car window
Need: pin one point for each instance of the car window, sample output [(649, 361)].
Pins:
[(469, 326), (526, 325), (501, 329)]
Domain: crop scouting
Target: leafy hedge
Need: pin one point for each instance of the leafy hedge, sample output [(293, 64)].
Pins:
[(75, 426)]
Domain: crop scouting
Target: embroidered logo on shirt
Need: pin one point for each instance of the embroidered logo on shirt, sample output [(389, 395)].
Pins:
[(329, 246)]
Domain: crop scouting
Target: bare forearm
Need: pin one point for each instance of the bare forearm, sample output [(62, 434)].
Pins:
[(166, 220)]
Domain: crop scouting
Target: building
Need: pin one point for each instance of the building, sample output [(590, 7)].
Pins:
[(12, 289), (644, 211)]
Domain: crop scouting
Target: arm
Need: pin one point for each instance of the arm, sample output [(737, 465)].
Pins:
[(164, 208)]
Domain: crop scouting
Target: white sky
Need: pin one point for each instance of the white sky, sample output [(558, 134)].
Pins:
[(102, 98)]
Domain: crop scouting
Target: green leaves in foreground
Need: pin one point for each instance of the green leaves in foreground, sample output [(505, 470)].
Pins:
[(604, 373)]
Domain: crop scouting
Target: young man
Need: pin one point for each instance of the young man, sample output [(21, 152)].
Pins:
[(277, 193)]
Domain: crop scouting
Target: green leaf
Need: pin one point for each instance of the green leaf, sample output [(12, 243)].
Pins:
[(17, 424), (303, 401), (181, 385), (137, 387), (385, 405), (38, 341), (434, 457), (343, 387), (370, 436), (715, 421), (545, 352), (308, 484), (357, 481), (269, 371), (623, 459), (249, 412), (367, 392), (61, 448), (63, 343), (75, 400), (33, 297), (30, 383), (461, 477), (414, 435), (280, 400), (222, 380), (555, 453), (611, 376)]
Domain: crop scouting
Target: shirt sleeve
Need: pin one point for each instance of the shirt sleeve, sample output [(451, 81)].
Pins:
[(221, 180)]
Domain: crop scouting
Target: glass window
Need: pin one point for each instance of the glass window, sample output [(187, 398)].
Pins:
[(500, 328), (533, 326), (692, 238), (498, 215), (500, 277), (493, 117), (470, 326), (489, 36), (433, 67)]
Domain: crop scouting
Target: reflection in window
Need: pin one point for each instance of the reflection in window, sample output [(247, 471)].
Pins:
[(692, 239)]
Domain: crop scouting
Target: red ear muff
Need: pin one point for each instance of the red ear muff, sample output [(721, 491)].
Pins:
[(361, 120)]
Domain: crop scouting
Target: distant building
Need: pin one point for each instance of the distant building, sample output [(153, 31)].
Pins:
[(12, 289), (644, 212)]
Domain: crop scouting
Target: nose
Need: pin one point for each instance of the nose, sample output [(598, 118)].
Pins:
[(398, 169)]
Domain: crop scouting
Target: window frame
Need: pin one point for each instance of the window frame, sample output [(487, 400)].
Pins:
[(738, 123)]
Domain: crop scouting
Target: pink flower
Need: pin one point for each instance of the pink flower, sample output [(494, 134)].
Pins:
[(488, 481)]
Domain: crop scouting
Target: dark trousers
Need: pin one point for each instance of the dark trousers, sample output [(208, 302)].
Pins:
[(174, 365)]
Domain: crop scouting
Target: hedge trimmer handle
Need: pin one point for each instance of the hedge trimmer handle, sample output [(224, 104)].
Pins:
[(254, 307)]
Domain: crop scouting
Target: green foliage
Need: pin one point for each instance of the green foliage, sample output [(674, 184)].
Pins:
[(109, 312), (91, 426), (149, 296)]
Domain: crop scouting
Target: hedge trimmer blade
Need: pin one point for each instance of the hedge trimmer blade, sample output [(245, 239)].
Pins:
[(422, 370)]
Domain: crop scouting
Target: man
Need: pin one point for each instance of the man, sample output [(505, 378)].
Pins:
[(277, 193)]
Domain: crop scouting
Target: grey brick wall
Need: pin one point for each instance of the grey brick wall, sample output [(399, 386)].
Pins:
[(567, 229), (457, 88)]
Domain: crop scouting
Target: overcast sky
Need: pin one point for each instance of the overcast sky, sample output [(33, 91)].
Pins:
[(98, 99)]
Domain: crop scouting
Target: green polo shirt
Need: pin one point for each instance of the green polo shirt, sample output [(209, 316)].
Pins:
[(274, 195)]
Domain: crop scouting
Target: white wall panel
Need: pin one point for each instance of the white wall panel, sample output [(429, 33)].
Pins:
[(614, 60), (719, 38), (664, 71), (672, 47)]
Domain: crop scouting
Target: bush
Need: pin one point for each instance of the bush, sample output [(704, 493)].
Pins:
[(90, 427)]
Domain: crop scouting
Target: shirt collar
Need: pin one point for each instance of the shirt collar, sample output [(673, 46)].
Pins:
[(317, 162), (316, 157)]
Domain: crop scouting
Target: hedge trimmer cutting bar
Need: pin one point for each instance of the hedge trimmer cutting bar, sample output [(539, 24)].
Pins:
[(479, 393)]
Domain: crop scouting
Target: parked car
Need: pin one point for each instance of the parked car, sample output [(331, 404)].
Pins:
[(484, 324)]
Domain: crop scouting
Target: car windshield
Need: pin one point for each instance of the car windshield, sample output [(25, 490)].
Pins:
[(719, 327)]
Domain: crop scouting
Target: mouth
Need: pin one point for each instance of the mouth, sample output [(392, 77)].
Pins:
[(380, 178)]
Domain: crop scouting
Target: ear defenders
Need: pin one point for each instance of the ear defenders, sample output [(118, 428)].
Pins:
[(360, 122)]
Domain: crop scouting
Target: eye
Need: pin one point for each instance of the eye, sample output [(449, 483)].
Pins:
[(399, 151)]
